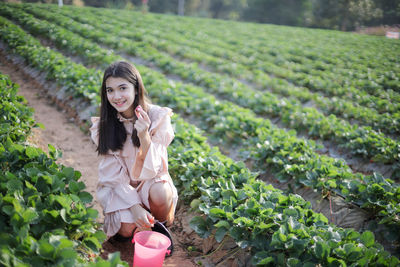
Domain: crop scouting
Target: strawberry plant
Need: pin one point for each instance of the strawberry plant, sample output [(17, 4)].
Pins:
[(13, 126), (45, 218)]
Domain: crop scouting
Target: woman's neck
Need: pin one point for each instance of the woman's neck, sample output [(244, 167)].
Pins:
[(128, 114)]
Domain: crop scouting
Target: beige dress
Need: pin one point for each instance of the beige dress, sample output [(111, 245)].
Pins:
[(114, 190)]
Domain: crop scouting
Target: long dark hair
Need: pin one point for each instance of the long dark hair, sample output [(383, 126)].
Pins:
[(112, 134)]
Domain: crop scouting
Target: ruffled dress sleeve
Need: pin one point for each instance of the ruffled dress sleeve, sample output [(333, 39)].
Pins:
[(161, 133), (114, 191)]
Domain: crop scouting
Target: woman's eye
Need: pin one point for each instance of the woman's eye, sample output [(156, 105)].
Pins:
[(108, 90), (123, 88)]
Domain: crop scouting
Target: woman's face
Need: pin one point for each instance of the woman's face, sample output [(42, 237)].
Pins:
[(121, 94)]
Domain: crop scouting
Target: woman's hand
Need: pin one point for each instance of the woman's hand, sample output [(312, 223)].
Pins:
[(142, 124), (142, 218)]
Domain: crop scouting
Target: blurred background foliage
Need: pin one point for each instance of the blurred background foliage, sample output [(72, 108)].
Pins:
[(345, 15)]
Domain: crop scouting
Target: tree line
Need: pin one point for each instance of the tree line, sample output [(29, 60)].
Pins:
[(345, 15)]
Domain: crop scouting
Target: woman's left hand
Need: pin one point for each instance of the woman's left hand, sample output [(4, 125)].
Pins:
[(142, 124)]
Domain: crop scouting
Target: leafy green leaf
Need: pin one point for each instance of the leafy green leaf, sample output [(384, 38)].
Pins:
[(220, 234), (92, 243), (265, 261), (199, 225), (53, 152), (262, 258), (63, 214), (293, 262), (367, 238), (31, 152), (14, 185), (45, 250), (85, 197), (322, 250), (29, 215), (68, 172), (216, 213), (223, 223)]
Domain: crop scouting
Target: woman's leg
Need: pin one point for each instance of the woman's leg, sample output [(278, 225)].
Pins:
[(127, 229), (160, 200)]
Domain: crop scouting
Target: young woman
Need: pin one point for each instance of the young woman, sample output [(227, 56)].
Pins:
[(132, 136)]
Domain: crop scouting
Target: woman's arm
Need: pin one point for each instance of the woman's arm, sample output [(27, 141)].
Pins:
[(153, 157), (142, 125), (141, 156)]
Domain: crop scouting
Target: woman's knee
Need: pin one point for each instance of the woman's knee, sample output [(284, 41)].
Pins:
[(160, 194), (126, 229)]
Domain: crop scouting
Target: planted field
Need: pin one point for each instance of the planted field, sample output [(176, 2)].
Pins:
[(306, 108)]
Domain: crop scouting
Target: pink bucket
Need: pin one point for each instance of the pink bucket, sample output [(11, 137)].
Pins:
[(150, 249)]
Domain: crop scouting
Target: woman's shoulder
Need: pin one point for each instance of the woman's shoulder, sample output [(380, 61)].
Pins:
[(158, 114)]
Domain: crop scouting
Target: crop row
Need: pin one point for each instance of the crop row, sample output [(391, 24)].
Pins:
[(345, 55), (45, 220), (16, 118), (73, 75), (176, 41), (358, 140), (167, 42), (343, 52), (279, 229), (255, 69), (304, 50), (288, 156)]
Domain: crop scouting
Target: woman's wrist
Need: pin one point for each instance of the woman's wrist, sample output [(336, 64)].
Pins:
[(144, 138), (145, 142)]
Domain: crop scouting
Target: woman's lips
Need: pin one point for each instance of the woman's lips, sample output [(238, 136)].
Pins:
[(119, 104)]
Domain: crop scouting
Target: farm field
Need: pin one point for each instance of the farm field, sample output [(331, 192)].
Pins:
[(304, 110)]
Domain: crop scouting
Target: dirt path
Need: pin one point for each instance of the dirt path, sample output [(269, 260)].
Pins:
[(79, 153)]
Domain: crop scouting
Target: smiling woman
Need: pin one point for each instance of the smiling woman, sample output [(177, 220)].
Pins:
[(134, 187), (120, 94)]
